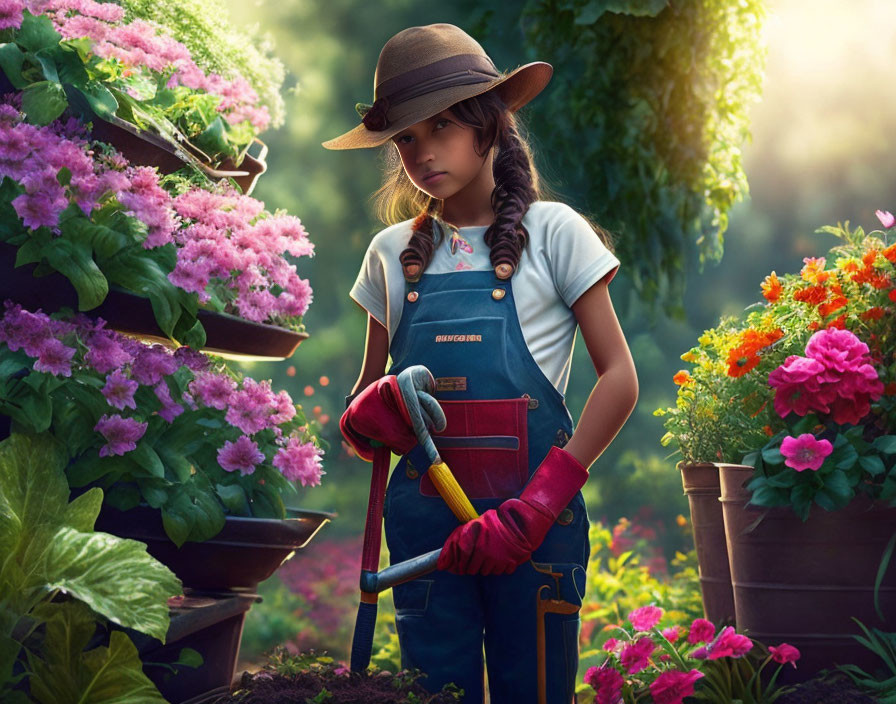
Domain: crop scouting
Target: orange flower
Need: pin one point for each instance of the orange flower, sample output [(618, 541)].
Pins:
[(767, 429), (873, 313), (890, 252), (813, 325), (828, 307), (813, 271), (811, 294), (869, 257), (682, 377), (851, 265), (759, 410), (838, 322), (771, 287)]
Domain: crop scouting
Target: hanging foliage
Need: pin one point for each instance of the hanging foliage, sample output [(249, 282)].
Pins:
[(646, 116)]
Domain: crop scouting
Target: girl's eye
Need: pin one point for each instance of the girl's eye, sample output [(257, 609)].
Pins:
[(401, 139)]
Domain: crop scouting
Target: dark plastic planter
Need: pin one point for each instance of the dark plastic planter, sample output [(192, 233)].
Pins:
[(701, 486), (800, 583), (247, 551), (129, 313)]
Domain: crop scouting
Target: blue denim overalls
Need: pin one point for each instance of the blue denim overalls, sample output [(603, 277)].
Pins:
[(503, 416)]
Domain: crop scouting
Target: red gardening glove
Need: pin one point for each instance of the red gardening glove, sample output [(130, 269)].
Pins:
[(378, 413), (501, 539)]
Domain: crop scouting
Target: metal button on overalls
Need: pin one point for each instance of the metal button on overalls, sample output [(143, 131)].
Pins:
[(468, 335)]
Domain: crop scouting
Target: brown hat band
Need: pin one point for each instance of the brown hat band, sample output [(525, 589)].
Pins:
[(459, 70)]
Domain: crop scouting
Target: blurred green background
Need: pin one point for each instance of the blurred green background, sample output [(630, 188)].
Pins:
[(818, 155)]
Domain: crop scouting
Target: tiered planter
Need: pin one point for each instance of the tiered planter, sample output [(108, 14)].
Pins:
[(800, 583), (701, 486), (127, 312)]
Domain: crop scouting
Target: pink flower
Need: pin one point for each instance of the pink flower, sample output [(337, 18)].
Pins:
[(169, 410), (121, 434), (300, 461), (805, 451), (242, 455), (729, 644), (611, 644), (672, 686), (634, 657), (11, 13), (646, 617), (797, 383), (119, 390), (213, 389), (784, 653), (607, 684), (701, 631), (886, 218), (671, 634)]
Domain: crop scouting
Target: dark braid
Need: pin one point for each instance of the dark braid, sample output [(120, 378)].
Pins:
[(515, 189), (514, 192)]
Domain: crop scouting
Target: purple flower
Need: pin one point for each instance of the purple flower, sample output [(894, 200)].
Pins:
[(119, 390), (105, 353), (241, 455), (192, 359), (153, 363), (121, 434), (213, 389), (170, 410), (55, 358)]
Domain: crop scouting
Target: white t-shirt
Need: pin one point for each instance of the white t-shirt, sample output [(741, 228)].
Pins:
[(563, 259)]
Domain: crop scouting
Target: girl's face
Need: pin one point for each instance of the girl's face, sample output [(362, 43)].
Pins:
[(440, 145)]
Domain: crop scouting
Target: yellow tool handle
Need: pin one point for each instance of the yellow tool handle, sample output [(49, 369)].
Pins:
[(450, 490)]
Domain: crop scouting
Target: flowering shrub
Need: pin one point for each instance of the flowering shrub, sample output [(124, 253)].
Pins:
[(176, 429), (807, 382), (129, 69), (666, 664), (81, 209)]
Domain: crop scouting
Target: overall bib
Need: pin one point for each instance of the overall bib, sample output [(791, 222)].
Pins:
[(503, 416)]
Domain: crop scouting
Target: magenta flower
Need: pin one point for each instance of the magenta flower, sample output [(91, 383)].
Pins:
[(607, 684), (242, 455), (121, 434), (213, 389), (300, 461), (105, 352), (646, 617), (797, 385), (728, 643), (119, 390), (671, 634), (784, 653), (701, 631), (635, 656), (672, 686), (152, 364), (805, 451), (886, 218), (611, 644), (170, 409)]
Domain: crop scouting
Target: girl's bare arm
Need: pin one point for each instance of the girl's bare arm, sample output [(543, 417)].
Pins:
[(376, 353), (616, 392)]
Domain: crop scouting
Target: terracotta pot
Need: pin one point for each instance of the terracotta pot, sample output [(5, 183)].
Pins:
[(701, 486), (800, 583), (247, 551), (145, 148), (127, 312)]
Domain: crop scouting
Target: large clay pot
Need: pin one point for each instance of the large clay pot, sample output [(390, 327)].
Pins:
[(246, 551), (800, 582), (701, 486), (226, 335)]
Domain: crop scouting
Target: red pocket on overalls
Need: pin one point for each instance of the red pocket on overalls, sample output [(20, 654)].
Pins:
[(485, 445)]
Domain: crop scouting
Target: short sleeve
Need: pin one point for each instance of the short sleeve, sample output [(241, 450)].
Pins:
[(369, 289), (579, 258)]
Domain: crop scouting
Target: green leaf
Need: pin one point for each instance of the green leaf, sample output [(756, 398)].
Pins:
[(114, 576), (148, 458), (189, 658), (824, 499), (772, 455), (11, 60), (838, 486), (123, 495), (74, 259), (107, 675), (43, 102), (872, 464), (99, 98), (847, 457), (885, 444), (37, 32), (233, 496)]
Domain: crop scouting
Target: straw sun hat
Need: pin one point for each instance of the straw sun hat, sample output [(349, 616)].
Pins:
[(424, 70)]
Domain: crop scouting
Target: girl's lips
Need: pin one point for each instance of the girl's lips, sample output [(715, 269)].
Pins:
[(432, 178)]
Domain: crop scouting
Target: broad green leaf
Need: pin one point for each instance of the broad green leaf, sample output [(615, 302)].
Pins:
[(107, 675), (872, 464), (148, 458), (838, 485), (37, 32), (234, 498), (100, 99), (11, 60), (773, 455), (885, 444), (74, 259), (115, 576), (43, 102)]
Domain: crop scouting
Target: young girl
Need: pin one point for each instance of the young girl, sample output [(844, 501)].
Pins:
[(483, 283)]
